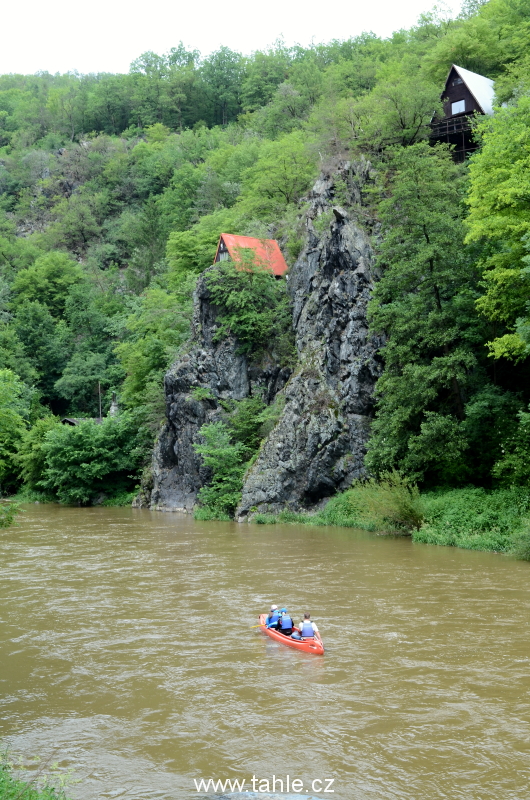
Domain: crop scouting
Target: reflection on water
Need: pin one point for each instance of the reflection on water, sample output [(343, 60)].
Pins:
[(126, 648)]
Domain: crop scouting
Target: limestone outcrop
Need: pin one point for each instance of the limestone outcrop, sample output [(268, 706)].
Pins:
[(317, 446), (205, 375)]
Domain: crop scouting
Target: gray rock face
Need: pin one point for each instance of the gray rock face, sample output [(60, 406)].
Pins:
[(318, 445), (218, 372)]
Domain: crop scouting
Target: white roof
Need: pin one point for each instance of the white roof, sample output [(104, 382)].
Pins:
[(480, 87)]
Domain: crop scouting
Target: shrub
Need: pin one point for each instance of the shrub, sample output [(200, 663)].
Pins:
[(473, 518), (514, 467), (40, 787), (246, 421), (89, 459), (265, 519), (8, 512), (228, 450), (521, 542), (391, 503), (122, 498), (202, 393), (13, 411), (227, 460), (31, 456), (207, 513), (253, 306)]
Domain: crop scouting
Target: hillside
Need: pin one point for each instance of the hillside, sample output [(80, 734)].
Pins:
[(114, 190)]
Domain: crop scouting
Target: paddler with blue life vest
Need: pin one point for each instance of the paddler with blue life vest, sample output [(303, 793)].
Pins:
[(285, 624), (307, 629), (273, 617)]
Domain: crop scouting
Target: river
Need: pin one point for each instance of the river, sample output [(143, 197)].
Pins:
[(127, 654)]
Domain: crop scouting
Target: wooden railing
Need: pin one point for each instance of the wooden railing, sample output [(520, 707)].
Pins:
[(447, 127)]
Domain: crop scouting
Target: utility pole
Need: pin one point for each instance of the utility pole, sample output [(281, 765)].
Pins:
[(99, 392)]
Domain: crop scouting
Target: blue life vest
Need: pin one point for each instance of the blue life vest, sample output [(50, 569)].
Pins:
[(273, 618), (287, 622), (307, 630)]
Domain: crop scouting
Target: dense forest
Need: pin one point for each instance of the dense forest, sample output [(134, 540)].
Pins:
[(114, 190)]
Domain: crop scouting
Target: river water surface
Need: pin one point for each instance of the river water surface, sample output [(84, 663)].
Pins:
[(126, 652)]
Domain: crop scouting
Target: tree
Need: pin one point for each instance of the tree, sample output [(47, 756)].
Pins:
[(13, 411), (227, 461), (222, 73), (157, 325), (193, 250), (30, 456), (498, 216), (47, 281), (47, 344), (89, 459), (253, 306), (424, 303), (85, 374), (282, 174), (264, 72)]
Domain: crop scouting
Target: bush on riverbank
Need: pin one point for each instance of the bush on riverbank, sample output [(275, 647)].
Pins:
[(475, 519), (8, 512), (391, 504), (469, 518), (521, 543), (13, 787)]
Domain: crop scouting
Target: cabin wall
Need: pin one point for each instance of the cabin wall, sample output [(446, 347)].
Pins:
[(453, 94)]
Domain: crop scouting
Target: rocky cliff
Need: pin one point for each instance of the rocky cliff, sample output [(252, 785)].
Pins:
[(317, 446)]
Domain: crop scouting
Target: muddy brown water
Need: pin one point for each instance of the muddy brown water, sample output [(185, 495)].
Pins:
[(126, 653)]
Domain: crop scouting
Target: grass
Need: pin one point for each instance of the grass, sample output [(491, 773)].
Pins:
[(15, 787), (26, 495), (476, 520), (470, 518), (206, 513), (392, 504), (120, 499)]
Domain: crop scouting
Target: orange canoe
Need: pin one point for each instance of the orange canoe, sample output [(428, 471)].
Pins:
[(306, 645)]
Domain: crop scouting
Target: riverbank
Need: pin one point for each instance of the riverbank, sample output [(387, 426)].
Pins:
[(14, 787), (26, 495), (470, 518)]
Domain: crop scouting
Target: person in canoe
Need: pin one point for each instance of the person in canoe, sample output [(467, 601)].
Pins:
[(307, 629), (285, 624), (273, 617)]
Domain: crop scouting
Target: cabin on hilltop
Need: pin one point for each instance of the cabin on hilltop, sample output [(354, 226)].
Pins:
[(265, 252), (465, 94)]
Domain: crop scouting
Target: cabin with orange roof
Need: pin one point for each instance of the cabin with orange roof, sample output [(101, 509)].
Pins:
[(266, 252)]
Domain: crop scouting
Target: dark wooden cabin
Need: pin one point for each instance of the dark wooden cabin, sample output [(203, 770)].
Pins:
[(465, 94)]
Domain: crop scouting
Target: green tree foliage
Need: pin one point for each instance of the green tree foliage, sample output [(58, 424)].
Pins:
[(228, 461), (513, 468), (192, 251), (13, 421), (157, 325), (30, 456), (425, 305), (47, 281), (264, 73), (253, 306), (498, 215), (90, 459), (281, 176), (114, 190)]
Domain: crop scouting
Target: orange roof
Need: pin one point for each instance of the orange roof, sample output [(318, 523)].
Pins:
[(267, 251)]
